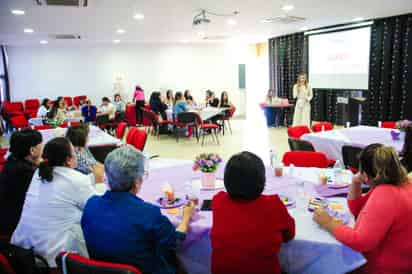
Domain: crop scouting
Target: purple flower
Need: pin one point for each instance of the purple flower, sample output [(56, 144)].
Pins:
[(210, 163), (202, 162)]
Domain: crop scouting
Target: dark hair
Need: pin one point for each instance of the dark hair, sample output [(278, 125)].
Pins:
[(224, 102), (209, 93), (77, 135), (55, 153), (154, 97), (53, 111), (178, 96), (245, 176), (106, 99), (188, 96), (45, 103), (382, 165), (22, 141), (169, 94), (407, 149)]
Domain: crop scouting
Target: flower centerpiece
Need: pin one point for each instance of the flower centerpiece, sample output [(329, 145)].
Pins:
[(207, 163), (402, 125)]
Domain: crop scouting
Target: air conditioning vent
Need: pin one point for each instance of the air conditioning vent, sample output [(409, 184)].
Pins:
[(285, 19), (65, 36), (66, 3)]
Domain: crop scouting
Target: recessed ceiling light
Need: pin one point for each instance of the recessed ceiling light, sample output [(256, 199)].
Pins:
[(138, 16), (44, 42), (120, 31), (357, 19), (304, 28), (116, 41), (231, 22), (28, 30), (18, 12), (287, 7)]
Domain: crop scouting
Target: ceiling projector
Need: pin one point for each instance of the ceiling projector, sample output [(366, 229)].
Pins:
[(201, 19)]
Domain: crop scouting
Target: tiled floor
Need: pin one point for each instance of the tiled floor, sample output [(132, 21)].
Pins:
[(246, 134)]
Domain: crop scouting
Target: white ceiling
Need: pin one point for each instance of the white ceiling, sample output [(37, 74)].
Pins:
[(169, 21)]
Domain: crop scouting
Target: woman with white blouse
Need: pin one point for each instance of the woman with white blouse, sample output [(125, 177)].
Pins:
[(50, 221), (303, 92)]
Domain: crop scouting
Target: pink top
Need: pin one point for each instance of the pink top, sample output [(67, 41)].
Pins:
[(138, 95), (383, 229)]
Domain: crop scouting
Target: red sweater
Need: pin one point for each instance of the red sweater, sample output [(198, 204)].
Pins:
[(383, 229), (246, 235)]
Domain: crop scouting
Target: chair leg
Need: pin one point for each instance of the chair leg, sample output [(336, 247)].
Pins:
[(229, 126), (223, 127), (203, 137), (177, 134), (217, 138)]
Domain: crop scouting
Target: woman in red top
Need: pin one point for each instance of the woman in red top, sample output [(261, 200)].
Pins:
[(383, 216), (248, 227)]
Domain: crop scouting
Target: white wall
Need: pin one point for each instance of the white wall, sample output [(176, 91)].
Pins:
[(47, 71)]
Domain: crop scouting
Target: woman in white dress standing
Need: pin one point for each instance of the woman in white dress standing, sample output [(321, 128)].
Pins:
[(303, 92)]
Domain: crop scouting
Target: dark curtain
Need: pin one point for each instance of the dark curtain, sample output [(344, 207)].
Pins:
[(390, 74)]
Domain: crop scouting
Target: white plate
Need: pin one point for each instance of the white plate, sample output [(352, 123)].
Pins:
[(219, 184)]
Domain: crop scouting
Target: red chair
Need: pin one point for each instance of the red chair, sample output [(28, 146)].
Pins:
[(31, 106), (74, 123), (206, 127), (77, 99), (13, 109), (228, 115), (3, 152), (131, 115), (298, 131), (5, 266), (43, 127), (305, 159), (19, 122), (153, 120), (325, 125), (120, 130), (76, 264), (388, 124), (137, 138), (68, 100)]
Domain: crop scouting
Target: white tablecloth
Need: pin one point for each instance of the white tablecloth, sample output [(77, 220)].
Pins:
[(97, 137), (331, 142), (313, 251), (205, 113)]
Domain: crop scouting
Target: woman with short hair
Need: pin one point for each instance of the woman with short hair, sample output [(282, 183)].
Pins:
[(383, 215), (50, 221), (139, 234), (248, 227)]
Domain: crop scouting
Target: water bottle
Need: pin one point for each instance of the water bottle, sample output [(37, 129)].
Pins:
[(337, 172), (291, 170)]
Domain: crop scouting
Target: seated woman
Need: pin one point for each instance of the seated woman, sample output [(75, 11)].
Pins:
[(120, 107), (170, 99), (79, 137), (180, 104), (248, 227), (25, 154), (189, 98), (44, 108), (157, 106), (211, 100), (58, 112), (89, 112), (50, 221), (383, 215), (139, 234), (224, 100)]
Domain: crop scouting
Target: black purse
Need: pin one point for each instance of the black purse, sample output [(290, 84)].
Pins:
[(24, 261)]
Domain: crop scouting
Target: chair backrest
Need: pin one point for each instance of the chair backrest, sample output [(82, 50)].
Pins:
[(325, 125), (300, 145), (5, 266), (130, 135), (350, 156), (305, 159), (149, 118), (131, 114), (13, 106), (69, 101), (76, 264), (389, 124), (298, 131), (121, 128), (232, 111), (77, 99), (137, 138), (19, 122), (31, 104)]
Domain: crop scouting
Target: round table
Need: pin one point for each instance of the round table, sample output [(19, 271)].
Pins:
[(312, 251)]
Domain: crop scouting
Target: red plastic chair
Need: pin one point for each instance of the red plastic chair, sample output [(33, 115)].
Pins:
[(5, 266), (31, 106), (305, 159), (74, 123), (206, 127), (19, 122), (137, 138), (69, 101), (76, 264), (43, 127), (388, 124), (77, 99), (318, 126), (13, 108), (131, 115), (298, 131), (120, 130)]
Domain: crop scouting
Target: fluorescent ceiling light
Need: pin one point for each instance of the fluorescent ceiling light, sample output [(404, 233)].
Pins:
[(287, 7), (28, 30), (18, 12), (120, 31), (357, 19), (138, 16), (231, 22), (44, 42), (116, 41)]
